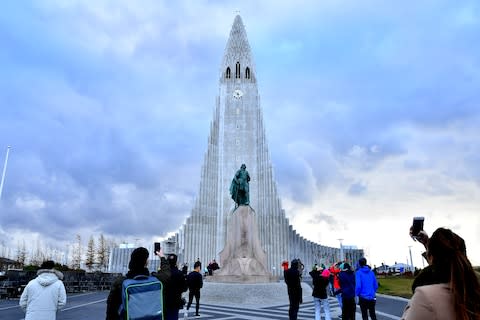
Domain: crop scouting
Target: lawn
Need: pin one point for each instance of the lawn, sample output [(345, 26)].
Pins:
[(395, 286), (401, 286)]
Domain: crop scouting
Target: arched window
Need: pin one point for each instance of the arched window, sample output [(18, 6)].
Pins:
[(247, 73), (237, 70), (227, 73)]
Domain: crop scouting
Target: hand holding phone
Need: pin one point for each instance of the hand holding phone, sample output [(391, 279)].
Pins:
[(156, 247), (417, 225)]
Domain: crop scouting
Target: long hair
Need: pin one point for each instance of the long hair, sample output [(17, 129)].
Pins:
[(449, 256)]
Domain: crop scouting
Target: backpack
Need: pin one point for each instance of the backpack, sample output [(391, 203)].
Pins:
[(142, 298)]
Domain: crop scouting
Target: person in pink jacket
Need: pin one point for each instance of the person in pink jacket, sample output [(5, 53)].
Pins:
[(448, 288)]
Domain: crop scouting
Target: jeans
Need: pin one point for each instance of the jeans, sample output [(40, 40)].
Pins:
[(339, 298), (318, 305), (367, 305)]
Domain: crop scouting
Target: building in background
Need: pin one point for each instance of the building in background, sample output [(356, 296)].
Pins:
[(237, 136)]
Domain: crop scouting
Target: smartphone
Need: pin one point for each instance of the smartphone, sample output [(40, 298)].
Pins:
[(156, 246), (417, 225)]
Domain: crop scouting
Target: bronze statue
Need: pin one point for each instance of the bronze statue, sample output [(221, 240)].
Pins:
[(239, 189)]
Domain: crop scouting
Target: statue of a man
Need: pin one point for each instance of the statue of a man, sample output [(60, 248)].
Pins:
[(239, 187)]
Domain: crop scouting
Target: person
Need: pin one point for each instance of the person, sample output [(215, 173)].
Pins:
[(239, 188), (319, 293), (448, 288), (136, 266), (195, 283), (366, 288), (346, 279), (44, 295), (294, 288), (185, 269), (335, 284), (174, 286)]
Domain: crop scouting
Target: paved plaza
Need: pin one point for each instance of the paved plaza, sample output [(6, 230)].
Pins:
[(219, 301)]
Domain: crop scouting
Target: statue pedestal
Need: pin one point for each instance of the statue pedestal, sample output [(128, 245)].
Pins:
[(243, 260)]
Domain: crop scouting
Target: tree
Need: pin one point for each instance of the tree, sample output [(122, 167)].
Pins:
[(77, 253), (102, 253), (90, 258), (21, 253)]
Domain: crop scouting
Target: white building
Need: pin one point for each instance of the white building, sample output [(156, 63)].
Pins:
[(237, 136)]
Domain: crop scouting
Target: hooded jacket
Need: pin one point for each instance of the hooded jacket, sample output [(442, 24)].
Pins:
[(320, 284), (44, 295), (366, 283), (347, 284), (293, 281)]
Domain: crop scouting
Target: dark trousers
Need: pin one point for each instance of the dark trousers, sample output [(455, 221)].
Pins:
[(294, 306), (195, 294), (348, 308), (171, 314), (367, 306)]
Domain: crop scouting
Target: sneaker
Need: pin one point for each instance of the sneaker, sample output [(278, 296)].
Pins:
[(197, 315)]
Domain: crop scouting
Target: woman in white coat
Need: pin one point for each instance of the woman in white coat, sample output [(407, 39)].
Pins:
[(44, 295)]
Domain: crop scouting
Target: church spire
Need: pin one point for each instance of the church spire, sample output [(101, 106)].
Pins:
[(237, 59)]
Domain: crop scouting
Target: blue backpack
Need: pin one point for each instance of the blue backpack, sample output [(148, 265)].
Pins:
[(142, 298)]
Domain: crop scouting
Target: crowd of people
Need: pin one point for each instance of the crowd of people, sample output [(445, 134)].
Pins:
[(340, 280), (447, 289)]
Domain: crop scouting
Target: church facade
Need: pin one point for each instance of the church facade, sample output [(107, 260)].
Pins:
[(237, 136)]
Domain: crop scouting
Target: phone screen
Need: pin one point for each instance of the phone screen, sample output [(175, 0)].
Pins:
[(417, 225), (156, 246)]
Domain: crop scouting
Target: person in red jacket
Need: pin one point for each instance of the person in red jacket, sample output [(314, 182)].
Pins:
[(334, 271)]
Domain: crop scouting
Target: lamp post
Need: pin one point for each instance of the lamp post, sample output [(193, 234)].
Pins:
[(411, 261), (4, 171), (341, 250)]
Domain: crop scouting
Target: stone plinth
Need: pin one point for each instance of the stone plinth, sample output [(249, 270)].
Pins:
[(243, 259)]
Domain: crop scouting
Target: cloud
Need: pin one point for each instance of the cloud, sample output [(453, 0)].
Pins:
[(367, 113), (357, 188)]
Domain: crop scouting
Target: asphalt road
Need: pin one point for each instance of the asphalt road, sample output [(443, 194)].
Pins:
[(92, 306)]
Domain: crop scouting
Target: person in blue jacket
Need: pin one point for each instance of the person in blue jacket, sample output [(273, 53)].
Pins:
[(366, 288)]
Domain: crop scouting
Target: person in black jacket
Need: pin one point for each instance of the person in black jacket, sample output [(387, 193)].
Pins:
[(173, 288), (136, 266), (195, 283), (294, 287), (320, 280)]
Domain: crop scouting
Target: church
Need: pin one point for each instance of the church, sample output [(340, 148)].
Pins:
[(237, 136)]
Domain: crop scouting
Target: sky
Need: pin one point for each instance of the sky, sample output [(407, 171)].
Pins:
[(370, 109)]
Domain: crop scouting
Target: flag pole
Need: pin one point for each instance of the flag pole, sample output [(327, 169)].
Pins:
[(4, 171)]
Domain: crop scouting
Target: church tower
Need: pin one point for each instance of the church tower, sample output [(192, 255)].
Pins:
[(237, 136)]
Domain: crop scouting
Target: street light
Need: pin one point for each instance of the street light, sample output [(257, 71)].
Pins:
[(4, 171), (411, 261), (341, 250)]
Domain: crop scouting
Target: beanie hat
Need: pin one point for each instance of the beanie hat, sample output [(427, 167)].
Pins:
[(172, 259), (294, 264), (138, 259), (345, 266), (49, 264)]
